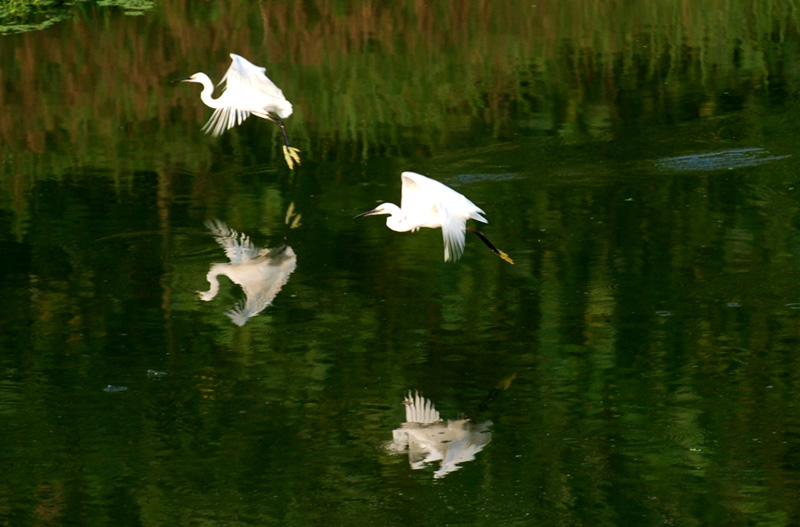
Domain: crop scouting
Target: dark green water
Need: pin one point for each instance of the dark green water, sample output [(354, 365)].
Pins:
[(639, 365)]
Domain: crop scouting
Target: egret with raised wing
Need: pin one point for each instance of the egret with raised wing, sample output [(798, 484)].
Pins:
[(427, 203), (247, 91)]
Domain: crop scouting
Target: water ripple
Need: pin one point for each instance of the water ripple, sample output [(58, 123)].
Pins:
[(721, 160)]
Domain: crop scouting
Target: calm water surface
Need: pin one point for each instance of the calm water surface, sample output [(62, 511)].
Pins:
[(638, 365)]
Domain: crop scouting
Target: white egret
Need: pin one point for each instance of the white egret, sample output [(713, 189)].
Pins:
[(428, 438), (427, 203), (247, 91), (260, 272)]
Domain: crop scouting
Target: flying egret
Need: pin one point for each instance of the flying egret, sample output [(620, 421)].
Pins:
[(427, 203), (247, 91), (261, 272), (428, 438)]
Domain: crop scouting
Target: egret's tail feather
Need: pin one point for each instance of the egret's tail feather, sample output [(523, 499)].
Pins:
[(490, 245)]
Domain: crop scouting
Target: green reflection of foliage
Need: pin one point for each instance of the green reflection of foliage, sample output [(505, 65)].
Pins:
[(370, 78)]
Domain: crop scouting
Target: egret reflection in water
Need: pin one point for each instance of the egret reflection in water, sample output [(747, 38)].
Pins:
[(428, 438), (260, 272)]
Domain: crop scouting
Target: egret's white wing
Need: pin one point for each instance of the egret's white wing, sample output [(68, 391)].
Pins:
[(245, 77), (418, 199), (423, 201), (426, 190), (434, 203), (420, 410), (464, 449), (269, 274), (247, 90), (238, 247), (224, 118), (453, 234), (437, 205)]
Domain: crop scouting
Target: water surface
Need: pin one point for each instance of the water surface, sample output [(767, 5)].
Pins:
[(637, 366)]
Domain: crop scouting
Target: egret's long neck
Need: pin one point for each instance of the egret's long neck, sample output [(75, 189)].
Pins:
[(213, 282), (208, 90), (397, 219)]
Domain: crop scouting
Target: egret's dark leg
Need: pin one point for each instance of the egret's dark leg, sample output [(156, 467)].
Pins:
[(501, 386), (490, 245), (283, 130)]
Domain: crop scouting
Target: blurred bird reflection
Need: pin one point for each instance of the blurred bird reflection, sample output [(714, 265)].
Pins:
[(260, 272), (428, 438)]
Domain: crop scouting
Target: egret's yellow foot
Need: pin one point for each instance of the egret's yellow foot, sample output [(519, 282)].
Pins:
[(289, 212), (505, 257), (291, 155), (292, 217)]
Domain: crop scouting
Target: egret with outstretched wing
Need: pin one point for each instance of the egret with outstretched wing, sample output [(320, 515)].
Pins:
[(247, 91), (427, 203)]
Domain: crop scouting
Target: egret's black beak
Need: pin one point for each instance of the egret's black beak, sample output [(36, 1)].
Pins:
[(368, 213), (182, 80)]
